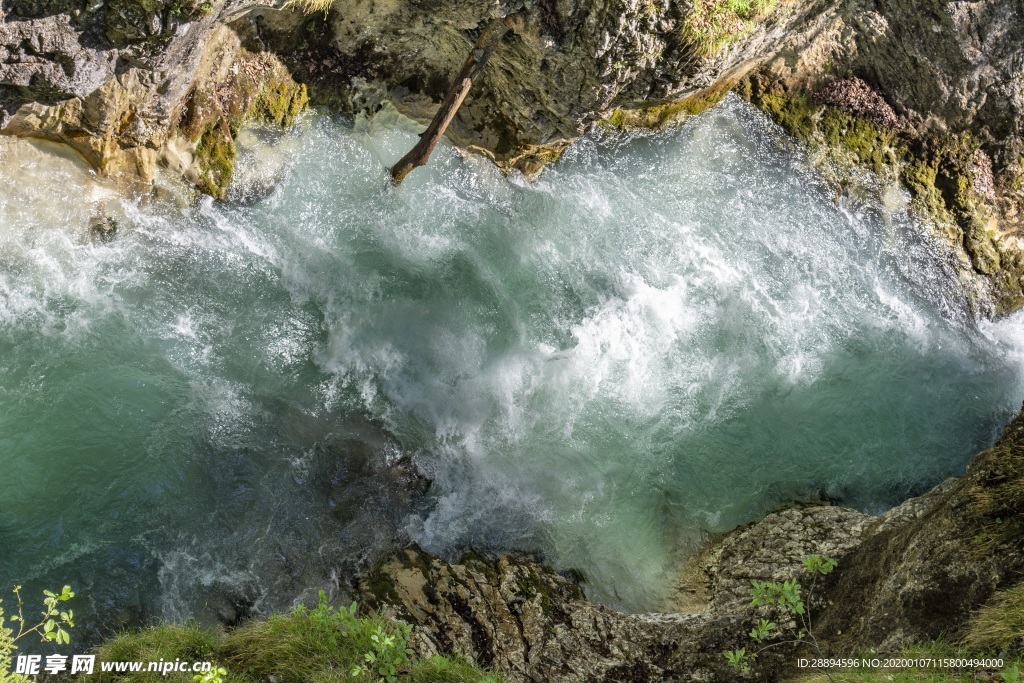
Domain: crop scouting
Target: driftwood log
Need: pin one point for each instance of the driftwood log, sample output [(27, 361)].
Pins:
[(485, 45)]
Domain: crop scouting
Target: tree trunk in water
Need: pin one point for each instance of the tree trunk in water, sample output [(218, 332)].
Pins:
[(418, 155)]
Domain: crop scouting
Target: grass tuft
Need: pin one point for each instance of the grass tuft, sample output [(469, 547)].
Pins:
[(311, 6), (712, 24), (999, 623), (320, 645)]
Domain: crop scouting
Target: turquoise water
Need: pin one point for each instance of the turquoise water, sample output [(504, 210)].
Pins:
[(221, 410)]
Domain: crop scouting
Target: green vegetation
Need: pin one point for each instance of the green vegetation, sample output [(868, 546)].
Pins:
[(712, 24), (52, 627), (217, 150), (785, 601), (1000, 623), (938, 169), (311, 6), (319, 645), (657, 115)]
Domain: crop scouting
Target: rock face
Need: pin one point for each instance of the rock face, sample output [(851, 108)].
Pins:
[(133, 84), (914, 573), (945, 83), (568, 65), (522, 619), (924, 566)]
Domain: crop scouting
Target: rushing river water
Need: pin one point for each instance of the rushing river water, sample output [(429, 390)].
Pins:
[(665, 335)]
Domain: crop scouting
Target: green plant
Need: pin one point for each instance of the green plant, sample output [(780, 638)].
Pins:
[(390, 654), (214, 675), (999, 623), (311, 6), (787, 599), (1011, 674), (739, 659), (52, 627), (307, 645), (711, 24)]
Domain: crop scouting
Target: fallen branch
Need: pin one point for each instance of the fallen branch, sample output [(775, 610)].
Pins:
[(485, 45)]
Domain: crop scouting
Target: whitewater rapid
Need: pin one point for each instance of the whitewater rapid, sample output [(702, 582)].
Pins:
[(228, 406)]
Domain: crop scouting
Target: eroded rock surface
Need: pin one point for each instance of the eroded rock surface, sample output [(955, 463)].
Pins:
[(531, 624), (129, 84)]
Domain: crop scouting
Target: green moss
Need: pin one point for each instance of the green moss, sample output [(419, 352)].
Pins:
[(795, 114), (531, 585), (936, 169), (279, 103), (382, 587), (662, 113), (873, 145), (920, 176), (215, 154)]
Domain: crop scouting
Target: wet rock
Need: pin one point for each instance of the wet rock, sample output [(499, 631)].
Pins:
[(531, 624), (924, 566), (926, 92), (103, 228), (117, 80)]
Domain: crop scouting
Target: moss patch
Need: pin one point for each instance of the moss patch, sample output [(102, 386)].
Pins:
[(258, 88), (215, 155), (662, 113), (938, 169), (279, 103)]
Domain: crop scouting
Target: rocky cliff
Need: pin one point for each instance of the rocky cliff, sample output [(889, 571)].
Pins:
[(914, 573)]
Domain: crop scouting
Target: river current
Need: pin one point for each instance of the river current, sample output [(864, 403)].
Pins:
[(229, 405)]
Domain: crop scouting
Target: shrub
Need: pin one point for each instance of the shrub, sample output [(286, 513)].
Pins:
[(52, 627)]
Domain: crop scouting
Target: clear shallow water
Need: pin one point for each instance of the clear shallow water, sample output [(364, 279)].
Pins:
[(663, 336)]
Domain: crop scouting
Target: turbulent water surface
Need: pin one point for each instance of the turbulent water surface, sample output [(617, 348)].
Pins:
[(226, 406)]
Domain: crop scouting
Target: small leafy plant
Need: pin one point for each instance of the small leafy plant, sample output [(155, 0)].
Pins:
[(52, 627), (389, 655), (214, 675), (787, 599)]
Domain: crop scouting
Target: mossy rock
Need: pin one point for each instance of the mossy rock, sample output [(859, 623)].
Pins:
[(280, 103), (937, 169), (661, 114), (260, 90), (215, 155)]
